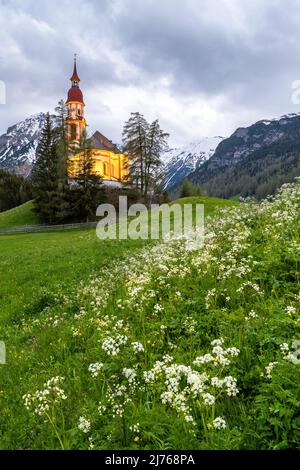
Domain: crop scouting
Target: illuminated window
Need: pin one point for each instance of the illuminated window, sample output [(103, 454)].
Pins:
[(105, 169)]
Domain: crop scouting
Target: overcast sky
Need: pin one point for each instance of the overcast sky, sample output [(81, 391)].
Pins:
[(203, 67)]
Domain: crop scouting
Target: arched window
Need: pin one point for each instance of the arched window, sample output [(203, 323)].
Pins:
[(105, 169)]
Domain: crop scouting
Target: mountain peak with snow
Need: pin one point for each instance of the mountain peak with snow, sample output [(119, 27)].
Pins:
[(18, 144), (181, 161)]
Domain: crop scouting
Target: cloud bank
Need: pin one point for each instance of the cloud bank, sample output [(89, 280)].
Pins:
[(203, 67)]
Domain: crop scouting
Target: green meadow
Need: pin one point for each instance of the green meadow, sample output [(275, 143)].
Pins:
[(140, 345)]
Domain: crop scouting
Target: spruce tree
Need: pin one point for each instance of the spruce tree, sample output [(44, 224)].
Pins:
[(144, 144), (189, 189), (63, 211), (135, 141), (156, 143), (44, 174)]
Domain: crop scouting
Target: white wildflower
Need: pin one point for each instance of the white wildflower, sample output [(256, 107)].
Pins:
[(135, 428), (130, 375), (84, 424), (95, 368), (251, 315), (269, 369), (137, 347), (217, 342), (208, 399), (41, 400), (290, 310), (219, 423)]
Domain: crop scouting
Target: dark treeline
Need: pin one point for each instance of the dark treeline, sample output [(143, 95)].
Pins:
[(14, 190)]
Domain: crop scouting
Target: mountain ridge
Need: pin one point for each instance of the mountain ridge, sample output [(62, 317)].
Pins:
[(254, 160)]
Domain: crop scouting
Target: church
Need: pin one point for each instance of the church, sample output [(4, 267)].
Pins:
[(107, 160)]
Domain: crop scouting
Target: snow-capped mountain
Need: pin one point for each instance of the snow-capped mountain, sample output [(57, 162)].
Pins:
[(18, 144), (254, 160), (179, 162), (246, 140)]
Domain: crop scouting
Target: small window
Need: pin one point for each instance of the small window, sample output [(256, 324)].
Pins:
[(73, 131), (105, 169)]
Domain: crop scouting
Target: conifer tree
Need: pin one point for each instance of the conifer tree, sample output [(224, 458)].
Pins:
[(64, 211), (156, 143), (189, 189), (144, 144), (134, 138), (44, 174)]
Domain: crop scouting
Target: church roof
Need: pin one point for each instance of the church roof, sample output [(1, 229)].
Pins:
[(99, 141)]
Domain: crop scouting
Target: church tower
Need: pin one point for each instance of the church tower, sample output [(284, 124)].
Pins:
[(75, 122)]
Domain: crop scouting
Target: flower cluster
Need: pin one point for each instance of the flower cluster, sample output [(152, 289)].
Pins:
[(219, 356), (219, 423), (269, 368), (251, 316), (137, 347), (112, 345), (95, 368), (186, 387), (41, 400), (130, 375), (84, 424)]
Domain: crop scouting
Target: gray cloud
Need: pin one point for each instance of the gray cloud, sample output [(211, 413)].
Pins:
[(201, 66)]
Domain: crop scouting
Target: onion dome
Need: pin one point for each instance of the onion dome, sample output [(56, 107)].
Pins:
[(75, 94)]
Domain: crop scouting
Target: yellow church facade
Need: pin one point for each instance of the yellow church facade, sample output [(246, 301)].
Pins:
[(107, 161)]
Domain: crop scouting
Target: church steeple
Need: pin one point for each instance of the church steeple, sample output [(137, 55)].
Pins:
[(75, 121), (75, 78)]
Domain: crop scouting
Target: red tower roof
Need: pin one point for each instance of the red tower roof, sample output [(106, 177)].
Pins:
[(75, 94)]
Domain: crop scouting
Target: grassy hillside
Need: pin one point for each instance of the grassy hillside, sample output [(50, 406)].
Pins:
[(135, 345), (24, 215), (211, 204), (54, 261), (21, 215)]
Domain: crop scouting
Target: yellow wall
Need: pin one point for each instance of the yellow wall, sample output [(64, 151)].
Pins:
[(108, 165)]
